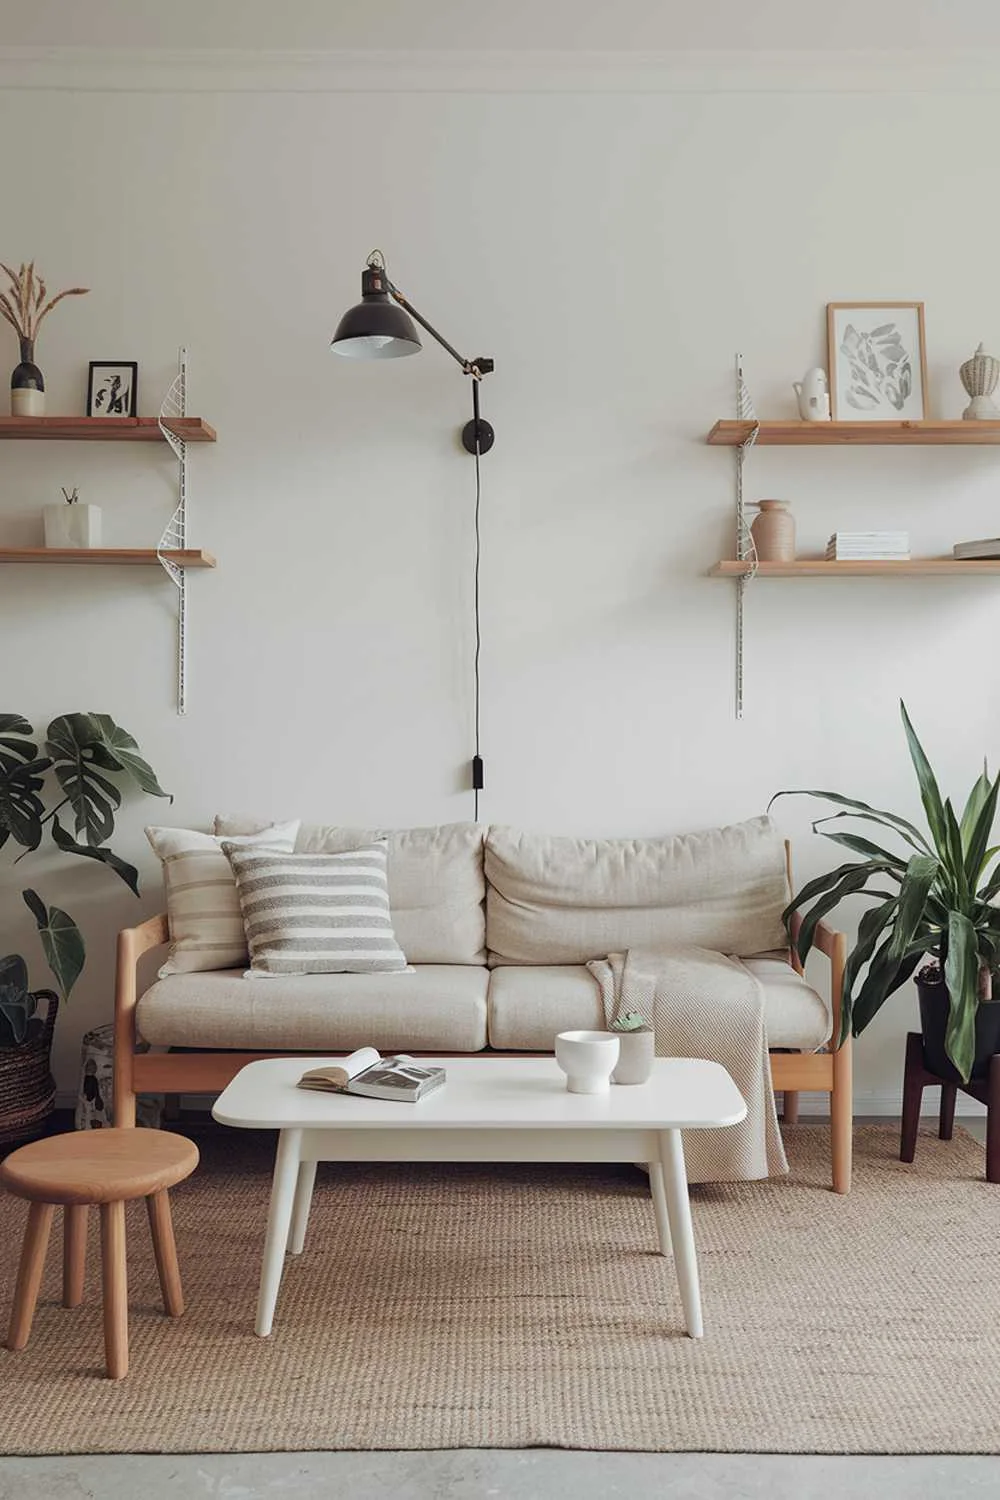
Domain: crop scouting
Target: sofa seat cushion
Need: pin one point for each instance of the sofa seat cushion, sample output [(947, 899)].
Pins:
[(529, 1006), (437, 1007), (556, 900)]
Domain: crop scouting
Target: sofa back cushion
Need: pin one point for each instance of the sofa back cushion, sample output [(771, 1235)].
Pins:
[(567, 900), (436, 882)]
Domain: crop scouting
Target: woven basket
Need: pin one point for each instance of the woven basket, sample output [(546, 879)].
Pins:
[(27, 1088)]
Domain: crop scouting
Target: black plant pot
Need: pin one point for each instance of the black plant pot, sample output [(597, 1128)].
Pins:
[(934, 1024)]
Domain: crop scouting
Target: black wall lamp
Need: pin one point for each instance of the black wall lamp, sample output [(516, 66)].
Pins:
[(380, 328)]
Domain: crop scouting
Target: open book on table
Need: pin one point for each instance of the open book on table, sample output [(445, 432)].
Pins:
[(365, 1072)]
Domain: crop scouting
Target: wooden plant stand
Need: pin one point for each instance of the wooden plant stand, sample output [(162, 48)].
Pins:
[(916, 1078)]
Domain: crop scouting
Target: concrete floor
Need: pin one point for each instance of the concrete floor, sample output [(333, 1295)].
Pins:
[(539, 1474), (500, 1474)]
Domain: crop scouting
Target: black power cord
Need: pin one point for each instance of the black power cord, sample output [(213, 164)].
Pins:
[(477, 759)]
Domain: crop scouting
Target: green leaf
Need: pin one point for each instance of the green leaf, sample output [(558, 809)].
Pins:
[(69, 845), (850, 885), (884, 977), (930, 796), (961, 975), (921, 873), (973, 808), (870, 929), (124, 753), (71, 741), (976, 841), (62, 941), (17, 1005), (21, 808), (856, 843), (902, 826), (955, 855), (823, 883)]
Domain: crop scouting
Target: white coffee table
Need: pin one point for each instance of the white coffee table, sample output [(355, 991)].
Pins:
[(491, 1109)]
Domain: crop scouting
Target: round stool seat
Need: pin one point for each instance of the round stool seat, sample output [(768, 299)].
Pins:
[(98, 1166)]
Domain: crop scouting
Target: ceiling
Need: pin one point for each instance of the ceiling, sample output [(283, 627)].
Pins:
[(635, 26)]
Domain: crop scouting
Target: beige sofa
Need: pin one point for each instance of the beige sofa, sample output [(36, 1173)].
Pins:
[(497, 926)]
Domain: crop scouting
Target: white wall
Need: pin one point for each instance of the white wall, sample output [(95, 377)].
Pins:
[(611, 241)]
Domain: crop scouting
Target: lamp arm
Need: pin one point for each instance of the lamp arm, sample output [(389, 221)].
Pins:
[(477, 368)]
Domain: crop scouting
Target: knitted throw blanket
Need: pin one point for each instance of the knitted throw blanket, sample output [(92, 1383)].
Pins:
[(703, 1004)]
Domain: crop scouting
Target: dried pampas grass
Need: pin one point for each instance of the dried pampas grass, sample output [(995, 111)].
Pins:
[(24, 307)]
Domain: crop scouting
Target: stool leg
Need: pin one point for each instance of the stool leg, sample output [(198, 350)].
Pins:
[(74, 1252), (29, 1275), (993, 1122), (115, 1282), (162, 1229), (946, 1129), (913, 1092)]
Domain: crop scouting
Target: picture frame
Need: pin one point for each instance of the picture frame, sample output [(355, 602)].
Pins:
[(112, 388), (877, 354)]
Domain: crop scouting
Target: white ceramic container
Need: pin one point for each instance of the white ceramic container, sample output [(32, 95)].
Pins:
[(588, 1059), (72, 526)]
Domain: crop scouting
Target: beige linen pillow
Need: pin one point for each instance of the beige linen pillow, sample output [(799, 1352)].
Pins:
[(203, 908)]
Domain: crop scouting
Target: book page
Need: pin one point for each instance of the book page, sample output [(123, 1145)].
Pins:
[(338, 1075)]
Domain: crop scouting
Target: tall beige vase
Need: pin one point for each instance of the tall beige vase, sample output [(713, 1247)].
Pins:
[(773, 532)]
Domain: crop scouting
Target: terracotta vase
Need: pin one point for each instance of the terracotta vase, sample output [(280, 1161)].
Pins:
[(773, 532)]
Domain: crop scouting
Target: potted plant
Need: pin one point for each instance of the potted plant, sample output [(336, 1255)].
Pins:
[(933, 910), (87, 756), (637, 1048)]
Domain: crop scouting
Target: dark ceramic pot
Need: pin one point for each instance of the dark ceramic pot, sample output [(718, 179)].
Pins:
[(27, 385), (934, 1024)]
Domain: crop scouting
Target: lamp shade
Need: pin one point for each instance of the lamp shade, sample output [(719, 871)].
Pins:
[(376, 328)]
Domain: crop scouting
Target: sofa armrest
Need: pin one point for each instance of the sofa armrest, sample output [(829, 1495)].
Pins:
[(833, 945), (133, 942)]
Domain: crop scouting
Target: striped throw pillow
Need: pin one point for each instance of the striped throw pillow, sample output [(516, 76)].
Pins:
[(203, 909), (316, 913)]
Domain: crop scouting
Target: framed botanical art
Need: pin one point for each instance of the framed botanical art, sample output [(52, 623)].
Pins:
[(878, 361), (111, 388)]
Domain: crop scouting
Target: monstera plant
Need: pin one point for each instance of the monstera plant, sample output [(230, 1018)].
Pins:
[(80, 770)]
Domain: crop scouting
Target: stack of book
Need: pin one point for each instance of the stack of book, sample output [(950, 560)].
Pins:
[(988, 547), (868, 546)]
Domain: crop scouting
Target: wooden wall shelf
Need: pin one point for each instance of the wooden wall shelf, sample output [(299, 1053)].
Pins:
[(132, 556), (819, 567), (814, 434), (106, 429)]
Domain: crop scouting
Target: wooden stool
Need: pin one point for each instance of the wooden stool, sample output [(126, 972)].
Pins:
[(96, 1166), (916, 1078)]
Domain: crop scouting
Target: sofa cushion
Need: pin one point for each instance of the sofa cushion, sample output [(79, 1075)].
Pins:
[(530, 1004), (436, 882), (203, 907), (567, 900), (435, 1008), (316, 913)]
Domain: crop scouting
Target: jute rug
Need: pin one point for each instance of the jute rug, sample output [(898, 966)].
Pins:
[(450, 1306)]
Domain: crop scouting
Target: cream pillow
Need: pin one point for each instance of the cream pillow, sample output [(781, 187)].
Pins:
[(203, 907)]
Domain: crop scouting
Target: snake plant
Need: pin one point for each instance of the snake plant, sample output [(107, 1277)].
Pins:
[(932, 894)]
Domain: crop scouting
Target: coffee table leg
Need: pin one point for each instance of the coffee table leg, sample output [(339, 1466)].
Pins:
[(279, 1218), (660, 1207), (300, 1209), (681, 1230)]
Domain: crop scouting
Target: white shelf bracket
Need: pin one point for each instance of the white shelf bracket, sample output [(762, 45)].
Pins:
[(174, 538), (745, 548)]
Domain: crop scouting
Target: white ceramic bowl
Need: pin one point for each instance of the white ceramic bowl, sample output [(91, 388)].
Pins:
[(588, 1059)]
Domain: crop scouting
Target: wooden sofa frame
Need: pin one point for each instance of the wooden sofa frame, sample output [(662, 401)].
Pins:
[(826, 1072)]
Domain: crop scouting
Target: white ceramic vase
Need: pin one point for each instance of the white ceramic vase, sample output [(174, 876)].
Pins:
[(72, 526), (637, 1053)]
